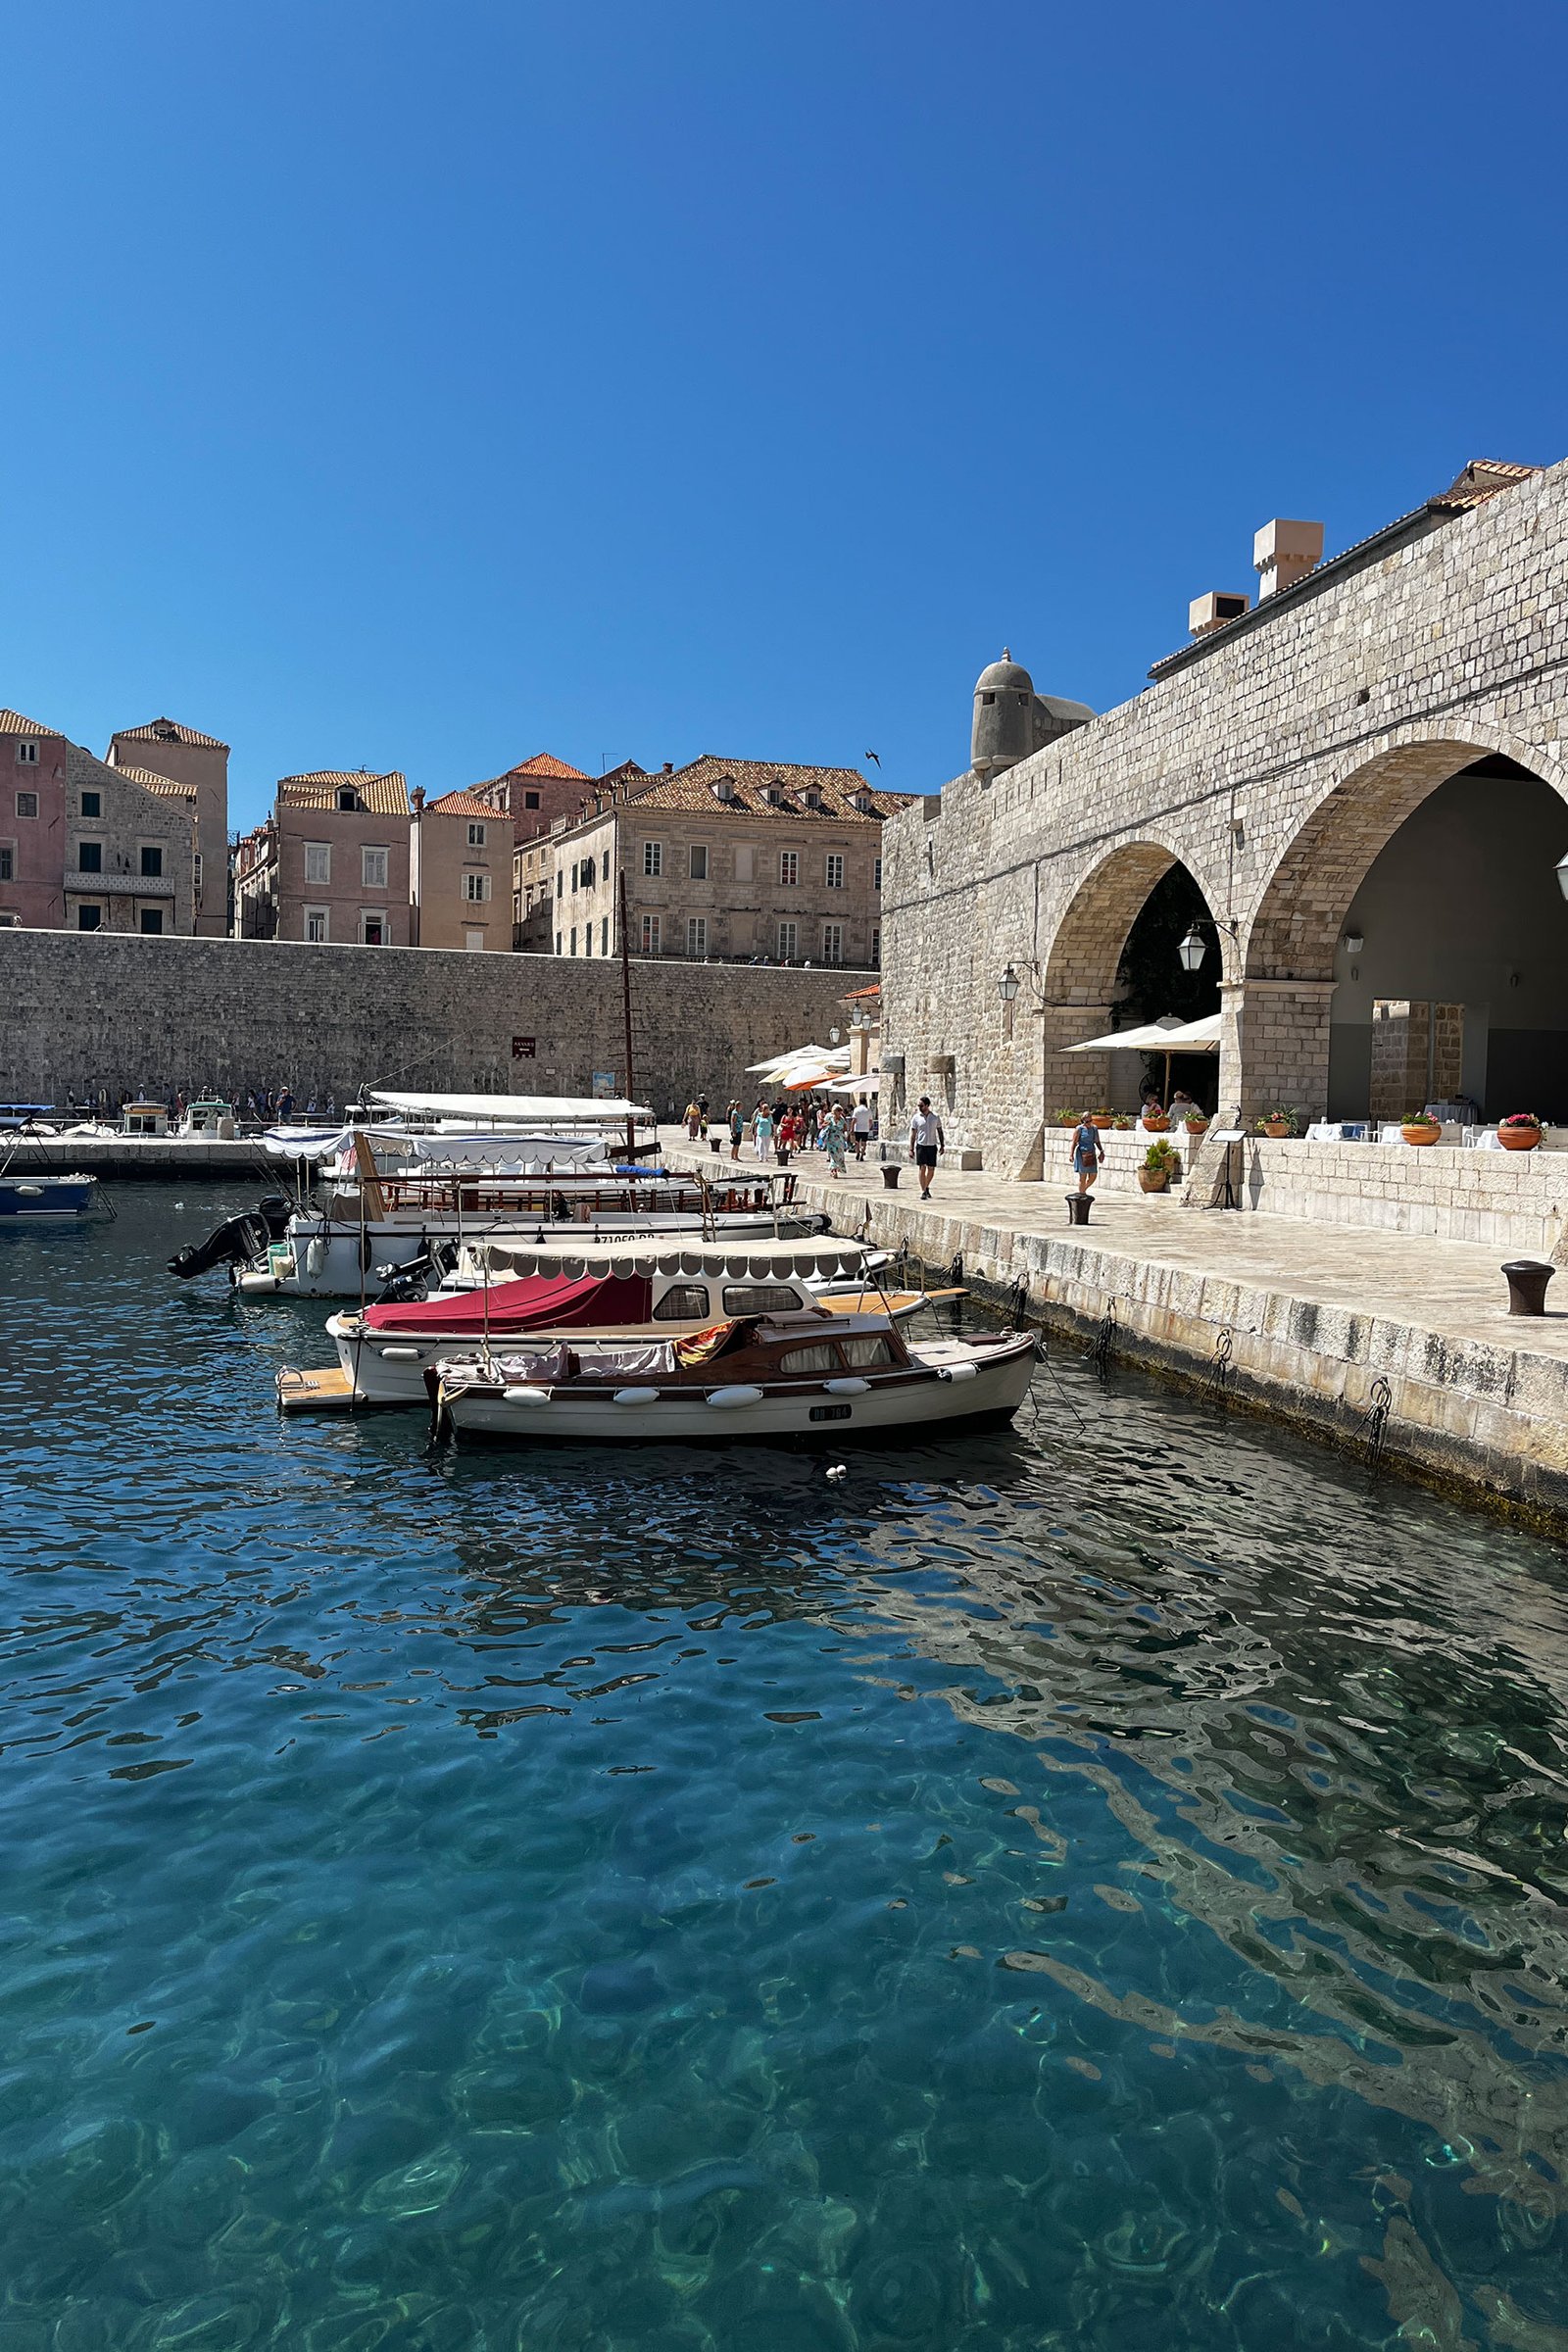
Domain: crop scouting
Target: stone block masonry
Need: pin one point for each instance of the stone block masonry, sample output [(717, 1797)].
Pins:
[(87, 1009)]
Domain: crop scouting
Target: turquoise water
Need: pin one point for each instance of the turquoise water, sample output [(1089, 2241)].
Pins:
[(1096, 1886)]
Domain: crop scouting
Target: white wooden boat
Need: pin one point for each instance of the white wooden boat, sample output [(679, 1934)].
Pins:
[(756, 1377)]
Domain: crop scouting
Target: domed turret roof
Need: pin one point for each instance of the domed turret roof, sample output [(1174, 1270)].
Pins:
[(1005, 674)]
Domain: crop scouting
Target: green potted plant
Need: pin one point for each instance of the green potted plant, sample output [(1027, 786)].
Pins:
[(1420, 1127), (1278, 1124), (1154, 1119), (1121, 1122), (1519, 1132), (1103, 1118), (1064, 1118), (1196, 1122), (1161, 1162)]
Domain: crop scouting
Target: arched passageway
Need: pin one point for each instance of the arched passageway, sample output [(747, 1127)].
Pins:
[(1412, 945)]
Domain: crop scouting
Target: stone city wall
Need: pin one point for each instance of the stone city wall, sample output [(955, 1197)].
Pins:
[(1275, 768), (80, 1010)]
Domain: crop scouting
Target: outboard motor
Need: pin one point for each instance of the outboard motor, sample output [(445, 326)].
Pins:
[(233, 1244), (407, 1284), (275, 1210)]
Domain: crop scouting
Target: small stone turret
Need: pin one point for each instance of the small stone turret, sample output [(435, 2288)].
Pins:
[(1011, 720)]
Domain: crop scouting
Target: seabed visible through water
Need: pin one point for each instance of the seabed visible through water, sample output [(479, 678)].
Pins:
[(1095, 1886)]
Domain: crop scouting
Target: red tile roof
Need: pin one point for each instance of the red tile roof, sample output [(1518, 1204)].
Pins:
[(694, 787), (168, 730), (151, 783), (383, 796), (461, 803), (543, 763), (12, 722)]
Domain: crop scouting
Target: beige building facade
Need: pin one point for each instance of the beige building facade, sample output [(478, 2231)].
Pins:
[(724, 861), (460, 872), (164, 753), (331, 866)]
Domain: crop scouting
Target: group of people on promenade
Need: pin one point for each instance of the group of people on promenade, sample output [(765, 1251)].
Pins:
[(777, 1131)]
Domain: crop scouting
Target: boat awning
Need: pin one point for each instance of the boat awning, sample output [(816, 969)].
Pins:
[(688, 1253), (1168, 1036), (538, 1302), (515, 1111)]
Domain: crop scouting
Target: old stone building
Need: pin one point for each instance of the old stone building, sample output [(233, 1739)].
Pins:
[(330, 864), (88, 847), (460, 872), (535, 793), (1361, 780), (165, 754), (735, 861)]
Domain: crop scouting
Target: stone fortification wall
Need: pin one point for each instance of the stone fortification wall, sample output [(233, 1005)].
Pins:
[(1275, 768), (85, 1009)]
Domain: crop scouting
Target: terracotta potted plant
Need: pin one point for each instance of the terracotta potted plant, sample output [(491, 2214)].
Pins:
[(1420, 1127), (1155, 1119), (1161, 1164), (1064, 1118), (1197, 1122), (1121, 1123), (1102, 1118), (1278, 1124), (1519, 1132)]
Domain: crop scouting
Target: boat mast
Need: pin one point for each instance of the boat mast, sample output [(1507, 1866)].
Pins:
[(625, 1013)]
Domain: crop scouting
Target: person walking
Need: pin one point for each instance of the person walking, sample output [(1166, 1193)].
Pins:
[(737, 1128), (835, 1141), (694, 1121), (926, 1140), (860, 1126), (762, 1132), (1087, 1151)]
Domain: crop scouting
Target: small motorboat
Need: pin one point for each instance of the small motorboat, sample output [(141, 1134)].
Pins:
[(758, 1376), (27, 1198), (387, 1352)]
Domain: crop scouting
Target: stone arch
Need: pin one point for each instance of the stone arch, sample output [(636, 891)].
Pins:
[(1281, 1003), (1079, 975)]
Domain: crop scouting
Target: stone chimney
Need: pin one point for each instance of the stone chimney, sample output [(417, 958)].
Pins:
[(1206, 614), (1283, 552)]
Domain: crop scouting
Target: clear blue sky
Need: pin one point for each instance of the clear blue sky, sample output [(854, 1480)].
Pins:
[(429, 385)]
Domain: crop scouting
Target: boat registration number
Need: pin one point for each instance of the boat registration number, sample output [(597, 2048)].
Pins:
[(830, 1412)]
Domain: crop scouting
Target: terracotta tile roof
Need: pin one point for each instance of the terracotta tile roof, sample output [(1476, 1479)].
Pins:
[(694, 787), (12, 722), (151, 783), (168, 730), (1479, 480), (543, 763), (383, 796), (463, 803)]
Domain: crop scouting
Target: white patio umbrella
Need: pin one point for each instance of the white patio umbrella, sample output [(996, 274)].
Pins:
[(1166, 1036)]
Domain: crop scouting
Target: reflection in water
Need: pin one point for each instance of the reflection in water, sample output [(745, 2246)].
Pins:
[(1098, 1885)]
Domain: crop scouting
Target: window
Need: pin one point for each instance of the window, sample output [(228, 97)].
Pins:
[(697, 866), (26, 755), (90, 857), (561, 884), (26, 803), (92, 803), (474, 939), (558, 943), (789, 867), (650, 935), (761, 1298), (876, 945), (744, 862), (372, 869), (315, 924), (8, 863), (588, 872), (88, 918), (572, 948), (683, 1302), (874, 1350), (832, 942), (876, 873), (834, 875), (696, 934), (196, 873), (576, 871), (603, 935), (786, 943), (587, 939), (152, 861), (348, 801), (476, 889), (653, 859), (372, 928), (317, 862), (152, 921), (821, 1359), (531, 800), (476, 837)]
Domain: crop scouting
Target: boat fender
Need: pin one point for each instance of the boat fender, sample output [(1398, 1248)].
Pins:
[(846, 1387), (636, 1396), (314, 1257), (957, 1371), (399, 1356), (735, 1395), (28, 1192), (523, 1396)]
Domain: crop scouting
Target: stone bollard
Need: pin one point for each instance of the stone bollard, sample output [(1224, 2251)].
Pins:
[(1528, 1278), (1078, 1206)]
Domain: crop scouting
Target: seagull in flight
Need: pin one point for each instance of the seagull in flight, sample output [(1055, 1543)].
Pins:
[(872, 756)]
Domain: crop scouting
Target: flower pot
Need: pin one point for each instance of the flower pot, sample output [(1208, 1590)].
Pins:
[(1421, 1134), (1103, 1118), (1518, 1138), (1197, 1126), (1153, 1180), (1156, 1124), (1279, 1129)]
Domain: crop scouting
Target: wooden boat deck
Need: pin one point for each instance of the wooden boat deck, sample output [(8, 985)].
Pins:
[(324, 1390)]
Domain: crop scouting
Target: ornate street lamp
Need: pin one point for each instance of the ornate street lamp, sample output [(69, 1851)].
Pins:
[(1008, 985), (1192, 950)]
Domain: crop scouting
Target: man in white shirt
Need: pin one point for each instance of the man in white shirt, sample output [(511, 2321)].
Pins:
[(926, 1140), (860, 1126)]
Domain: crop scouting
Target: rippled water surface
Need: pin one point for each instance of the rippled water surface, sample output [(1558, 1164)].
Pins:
[(1095, 1886)]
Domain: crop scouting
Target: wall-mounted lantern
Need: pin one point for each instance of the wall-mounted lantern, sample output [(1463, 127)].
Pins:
[(1354, 943), (1192, 950), (1008, 983)]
